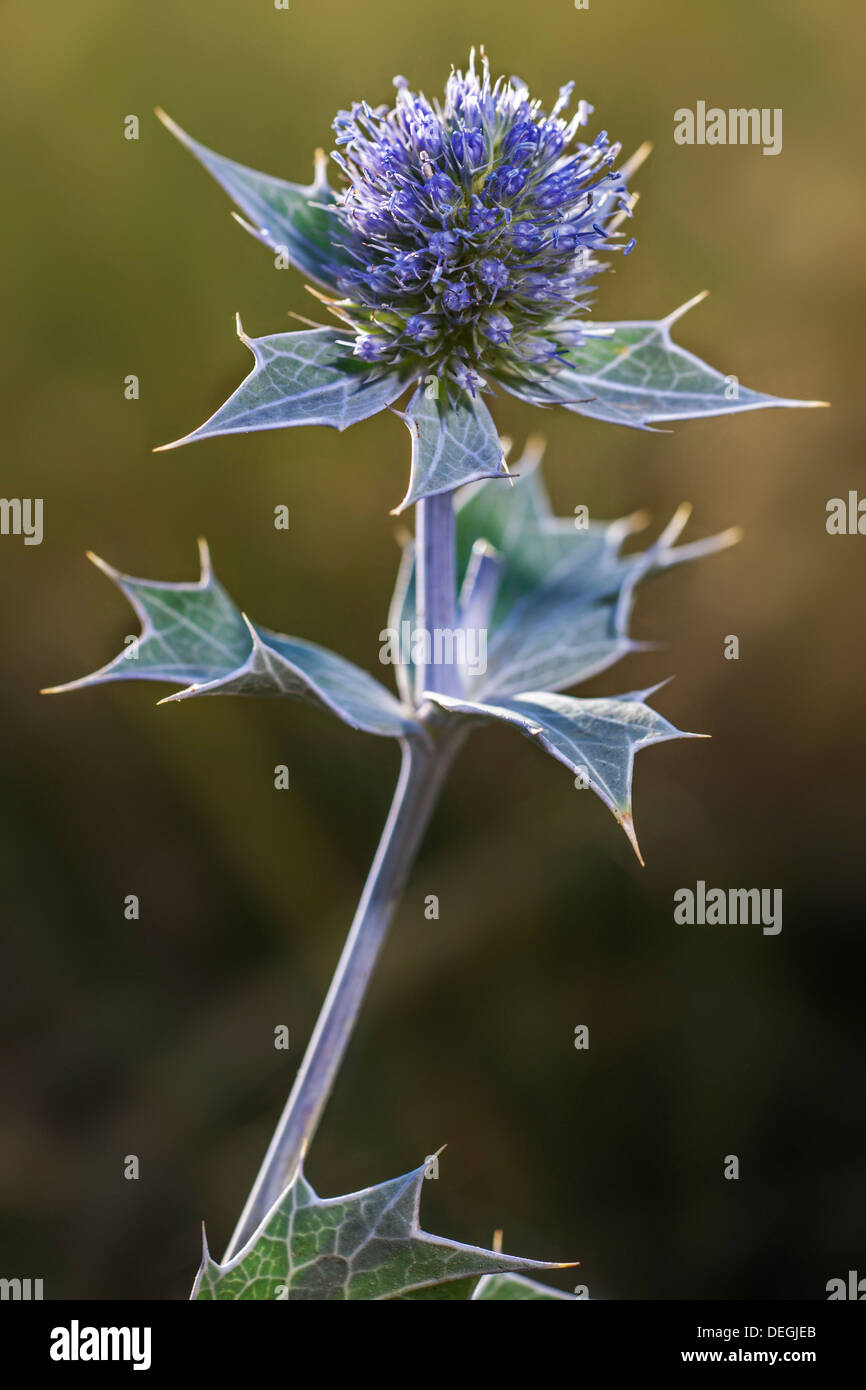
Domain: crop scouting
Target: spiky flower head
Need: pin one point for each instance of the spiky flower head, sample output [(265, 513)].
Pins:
[(467, 229)]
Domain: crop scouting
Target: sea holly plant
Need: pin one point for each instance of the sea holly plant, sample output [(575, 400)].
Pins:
[(364, 1246), (456, 254)]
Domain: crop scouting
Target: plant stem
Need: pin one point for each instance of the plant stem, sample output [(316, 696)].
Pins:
[(423, 770), (436, 571)]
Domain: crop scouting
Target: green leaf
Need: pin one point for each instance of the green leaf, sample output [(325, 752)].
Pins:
[(517, 521), (452, 443), (456, 1291), (287, 217), (305, 378), (633, 373), (574, 622), (563, 594), (514, 1288), (192, 634), (368, 1245), (595, 738)]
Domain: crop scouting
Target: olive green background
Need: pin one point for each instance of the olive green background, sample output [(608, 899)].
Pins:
[(155, 1038)]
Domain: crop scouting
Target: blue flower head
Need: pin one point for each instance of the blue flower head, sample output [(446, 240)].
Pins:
[(460, 250), (466, 230)]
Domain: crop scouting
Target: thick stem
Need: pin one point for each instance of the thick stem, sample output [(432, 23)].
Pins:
[(436, 588), (422, 773), (423, 770)]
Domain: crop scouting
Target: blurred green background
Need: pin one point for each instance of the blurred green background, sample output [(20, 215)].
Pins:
[(155, 1038)]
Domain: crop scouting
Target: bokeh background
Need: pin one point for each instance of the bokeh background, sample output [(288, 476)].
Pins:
[(156, 1037)]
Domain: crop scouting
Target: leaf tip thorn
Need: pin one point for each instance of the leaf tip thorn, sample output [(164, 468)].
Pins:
[(678, 314), (101, 564), (626, 821), (204, 561)]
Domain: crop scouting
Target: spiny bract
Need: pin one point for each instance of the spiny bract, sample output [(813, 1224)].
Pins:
[(466, 231)]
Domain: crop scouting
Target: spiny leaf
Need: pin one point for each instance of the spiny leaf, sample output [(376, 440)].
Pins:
[(304, 378), (633, 373), (574, 623), (560, 600), (452, 444), (514, 1288), (287, 217), (368, 1245), (518, 522), (192, 634), (595, 738)]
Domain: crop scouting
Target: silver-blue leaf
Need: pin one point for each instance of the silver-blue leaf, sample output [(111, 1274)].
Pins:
[(563, 593), (193, 635), (304, 378), (288, 217), (597, 739), (452, 443), (633, 373), (574, 623)]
